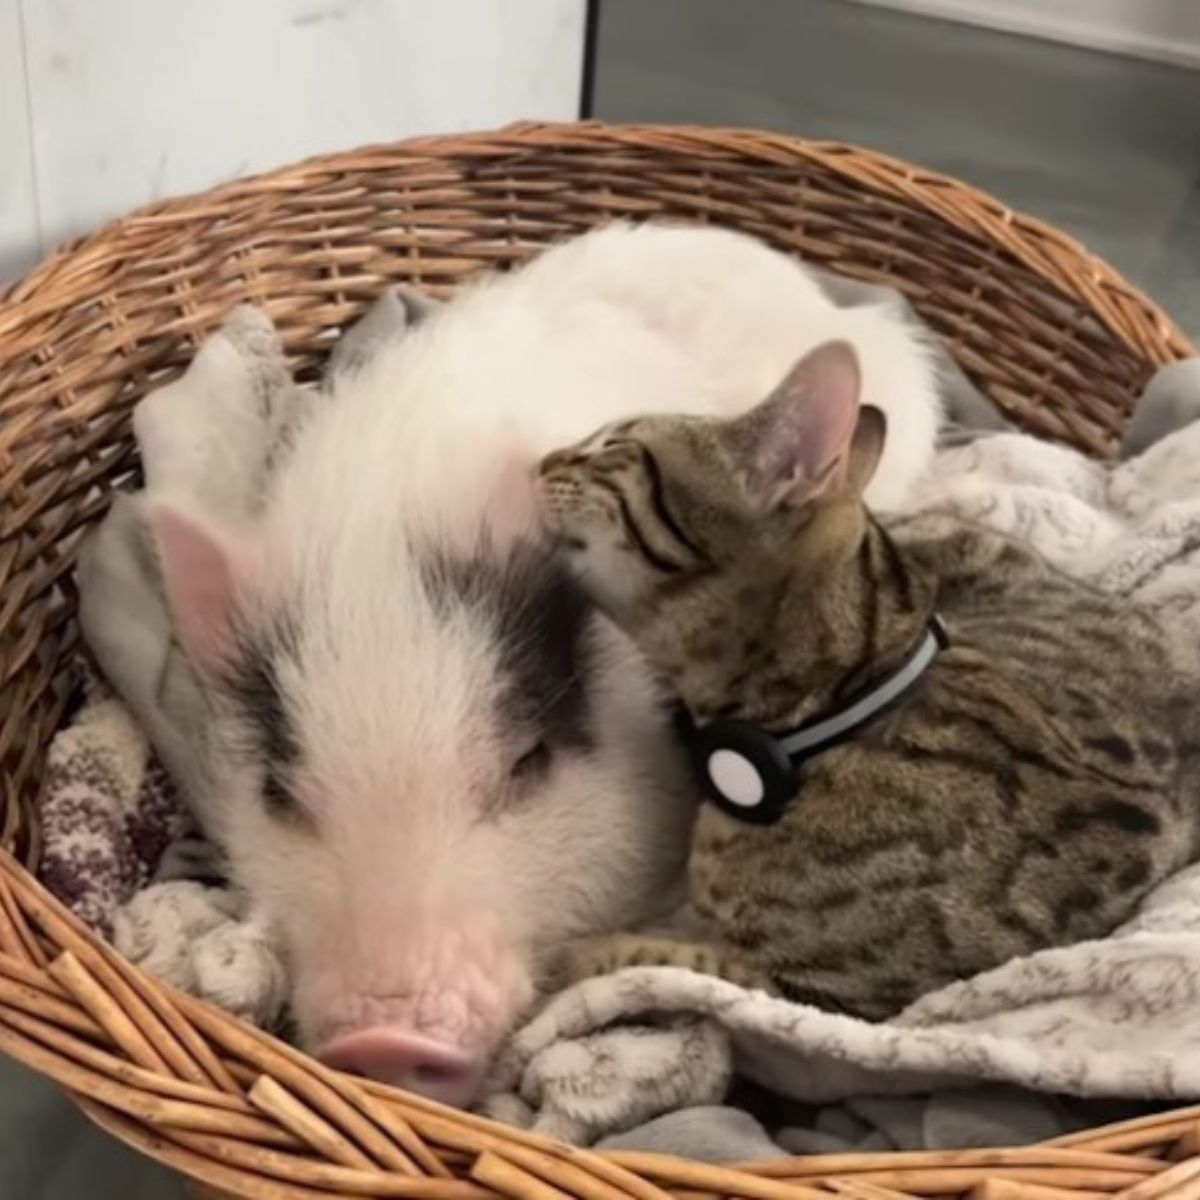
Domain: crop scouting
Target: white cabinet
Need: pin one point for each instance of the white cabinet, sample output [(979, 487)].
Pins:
[(108, 104)]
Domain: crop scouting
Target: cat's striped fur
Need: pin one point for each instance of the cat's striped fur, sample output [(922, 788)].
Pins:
[(1029, 793)]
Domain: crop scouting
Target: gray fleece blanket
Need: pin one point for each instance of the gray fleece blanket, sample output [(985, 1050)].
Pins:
[(662, 1058)]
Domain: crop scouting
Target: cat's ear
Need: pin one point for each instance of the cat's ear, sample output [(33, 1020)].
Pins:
[(793, 445), (204, 573)]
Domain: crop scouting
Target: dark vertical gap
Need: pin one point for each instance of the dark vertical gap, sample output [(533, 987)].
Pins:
[(587, 87)]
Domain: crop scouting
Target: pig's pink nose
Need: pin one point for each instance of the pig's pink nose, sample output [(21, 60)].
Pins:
[(407, 1061)]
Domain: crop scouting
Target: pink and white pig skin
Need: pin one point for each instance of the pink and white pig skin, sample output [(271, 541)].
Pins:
[(432, 763)]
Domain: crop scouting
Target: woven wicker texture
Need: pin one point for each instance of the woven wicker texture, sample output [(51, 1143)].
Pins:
[(1053, 335)]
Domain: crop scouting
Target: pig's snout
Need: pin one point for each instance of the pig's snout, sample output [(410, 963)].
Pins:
[(419, 1005), (405, 1060)]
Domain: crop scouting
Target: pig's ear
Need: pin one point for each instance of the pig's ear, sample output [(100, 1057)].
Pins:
[(512, 501), (800, 441), (204, 573)]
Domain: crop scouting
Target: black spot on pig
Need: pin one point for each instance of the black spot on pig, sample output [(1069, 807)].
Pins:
[(255, 688), (543, 628)]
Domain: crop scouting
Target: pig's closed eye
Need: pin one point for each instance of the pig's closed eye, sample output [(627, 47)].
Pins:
[(532, 765), (279, 799)]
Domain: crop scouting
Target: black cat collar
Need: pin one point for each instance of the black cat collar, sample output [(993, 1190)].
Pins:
[(753, 775)]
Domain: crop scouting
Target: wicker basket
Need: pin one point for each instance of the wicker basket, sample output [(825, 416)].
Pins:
[(1052, 334)]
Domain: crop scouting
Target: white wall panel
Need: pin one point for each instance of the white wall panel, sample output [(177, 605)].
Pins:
[(18, 198), (132, 100)]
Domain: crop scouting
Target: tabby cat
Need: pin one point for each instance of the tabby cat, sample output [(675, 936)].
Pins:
[(1027, 792)]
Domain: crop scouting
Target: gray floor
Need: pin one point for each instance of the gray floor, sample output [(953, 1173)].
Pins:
[(49, 1152), (1106, 148)]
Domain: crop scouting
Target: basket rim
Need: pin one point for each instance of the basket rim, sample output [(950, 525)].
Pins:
[(1061, 260), (371, 1131), (195, 1088)]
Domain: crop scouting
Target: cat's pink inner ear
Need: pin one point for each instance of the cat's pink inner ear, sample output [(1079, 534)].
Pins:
[(204, 572), (866, 447), (803, 430)]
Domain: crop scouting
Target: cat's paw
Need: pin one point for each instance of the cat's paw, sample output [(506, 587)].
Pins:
[(588, 957)]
